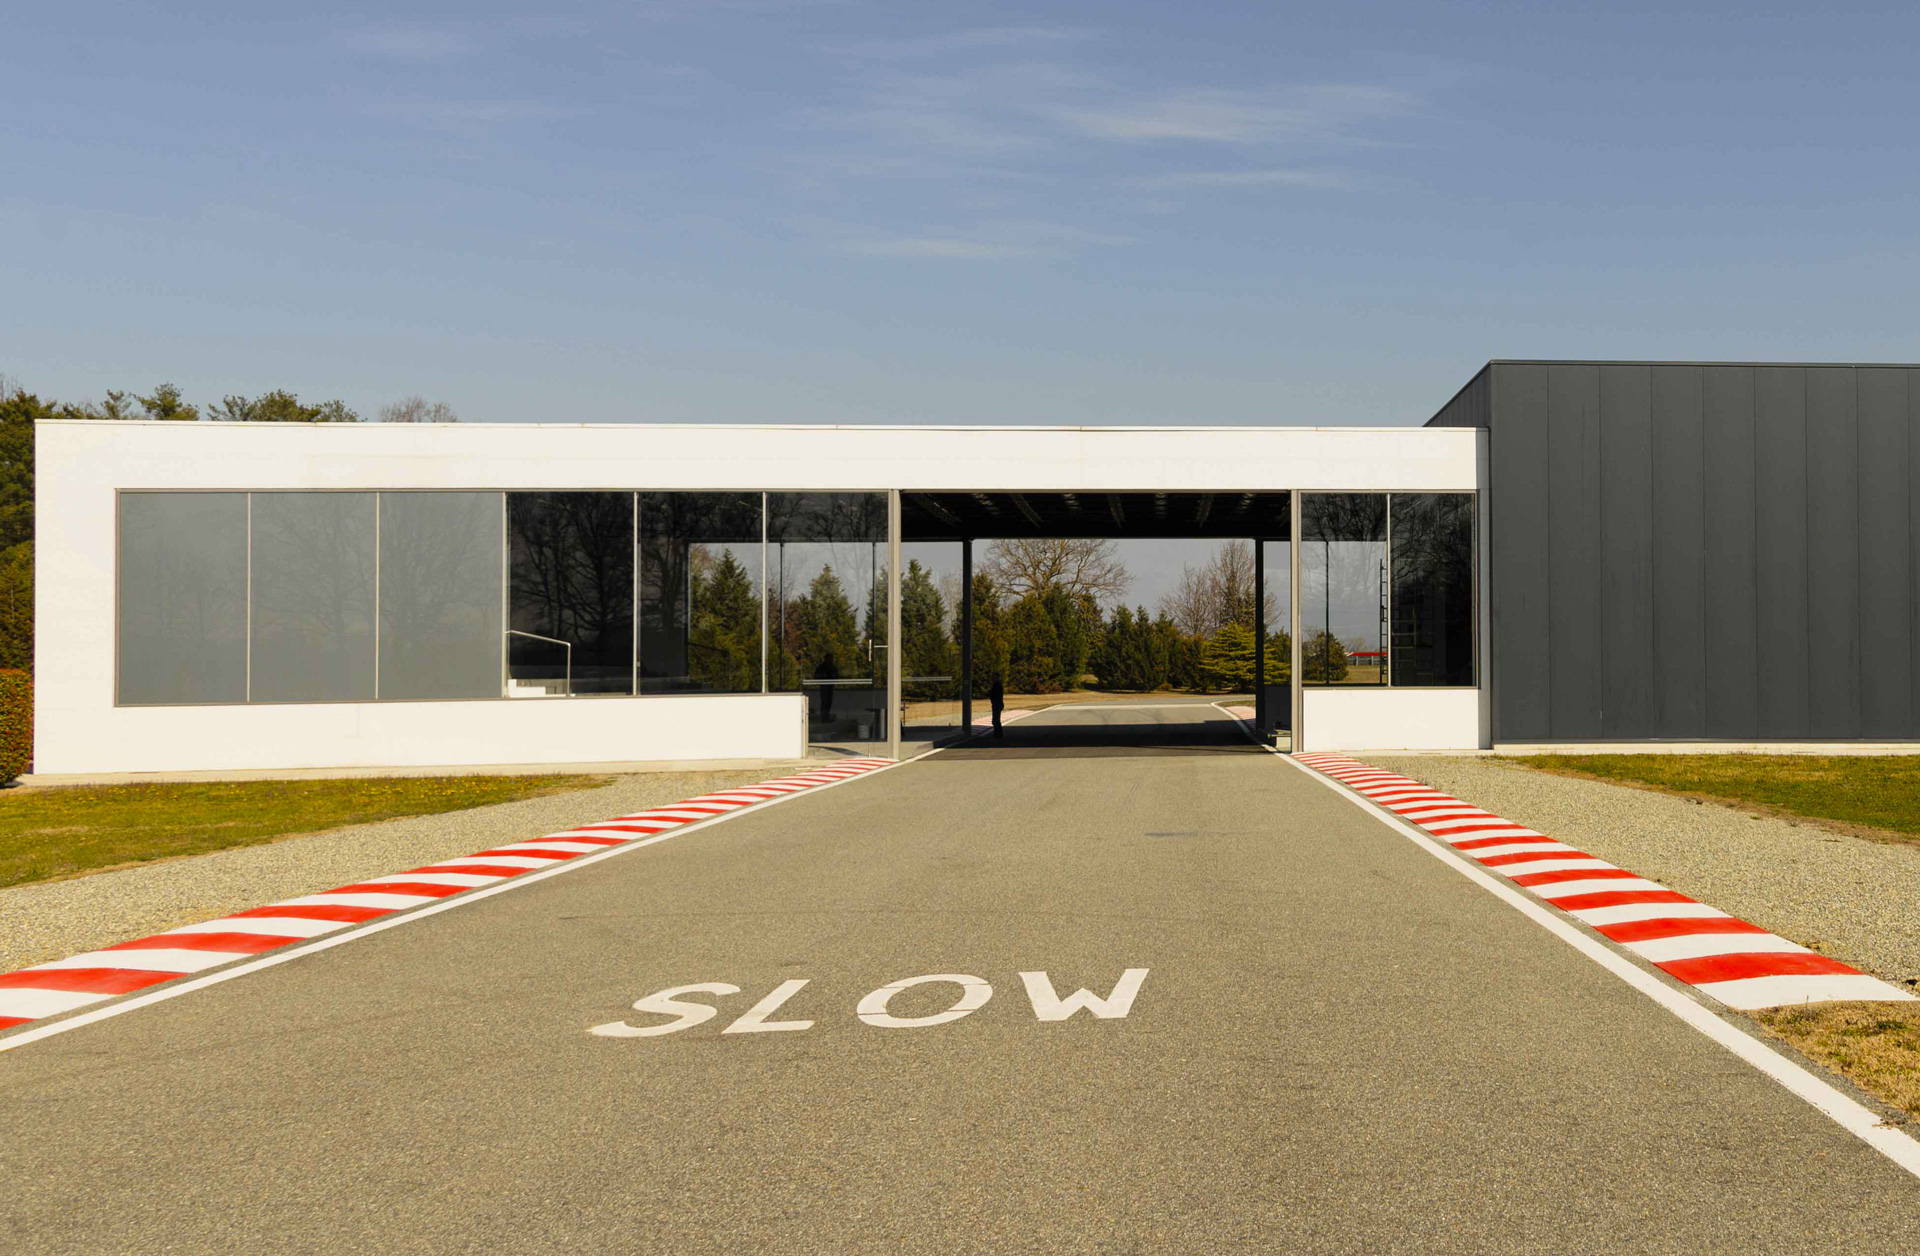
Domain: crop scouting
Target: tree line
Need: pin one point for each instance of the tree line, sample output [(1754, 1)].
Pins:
[(1039, 628), (19, 410)]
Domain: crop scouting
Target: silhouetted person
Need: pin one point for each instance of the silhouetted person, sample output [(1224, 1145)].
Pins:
[(828, 671), (997, 696)]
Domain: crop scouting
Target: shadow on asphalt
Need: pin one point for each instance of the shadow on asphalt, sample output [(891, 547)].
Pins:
[(1100, 741)]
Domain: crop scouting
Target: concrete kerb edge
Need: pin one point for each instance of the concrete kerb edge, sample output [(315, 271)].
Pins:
[(48, 1027), (1851, 1114)]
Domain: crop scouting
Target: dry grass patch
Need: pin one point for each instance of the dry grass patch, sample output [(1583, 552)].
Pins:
[(1876, 1046), (1872, 796), (50, 834)]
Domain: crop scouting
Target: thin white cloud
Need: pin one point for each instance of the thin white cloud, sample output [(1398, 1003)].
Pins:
[(982, 241), (939, 247), (959, 41), (409, 43), (1241, 179), (460, 114), (1238, 117)]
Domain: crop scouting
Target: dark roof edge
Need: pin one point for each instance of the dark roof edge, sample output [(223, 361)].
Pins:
[(1682, 362), (1472, 380)]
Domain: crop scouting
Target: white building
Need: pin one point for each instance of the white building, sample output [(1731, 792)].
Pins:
[(224, 596)]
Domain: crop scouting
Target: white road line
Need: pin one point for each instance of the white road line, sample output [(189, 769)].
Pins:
[(1850, 1114), (63, 1001)]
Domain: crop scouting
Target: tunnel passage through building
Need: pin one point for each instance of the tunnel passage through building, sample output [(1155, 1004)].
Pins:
[(1021, 592)]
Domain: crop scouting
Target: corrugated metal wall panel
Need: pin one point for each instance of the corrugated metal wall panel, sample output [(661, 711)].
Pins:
[(1522, 645), (1625, 441), (1833, 553), (1886, 559), (1679, 551), (1573, 539), (1730, 581), (1780, 481)]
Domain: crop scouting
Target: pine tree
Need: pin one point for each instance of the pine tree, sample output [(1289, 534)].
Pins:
[(1226, 660), (927, 649)]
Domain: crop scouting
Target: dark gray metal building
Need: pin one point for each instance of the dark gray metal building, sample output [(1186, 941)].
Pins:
[(1700, 551)]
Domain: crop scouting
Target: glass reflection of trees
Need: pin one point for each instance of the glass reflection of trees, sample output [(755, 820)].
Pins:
[(313, 594), (700, 609), (827, 608), (182, 598), (571, 579), (1343, 588), (440, 595), (1433, 589)]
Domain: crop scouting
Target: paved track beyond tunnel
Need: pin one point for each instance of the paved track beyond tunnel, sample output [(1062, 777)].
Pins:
[(1338, 1045)]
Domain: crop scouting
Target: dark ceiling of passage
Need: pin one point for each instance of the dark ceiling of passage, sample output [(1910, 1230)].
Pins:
[(959, 516)]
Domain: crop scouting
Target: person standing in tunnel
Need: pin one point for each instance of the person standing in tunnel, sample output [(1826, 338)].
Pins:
[(997, 696)]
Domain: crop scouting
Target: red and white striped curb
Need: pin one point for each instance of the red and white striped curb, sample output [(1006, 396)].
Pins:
[(1740, 964), (65, 984)]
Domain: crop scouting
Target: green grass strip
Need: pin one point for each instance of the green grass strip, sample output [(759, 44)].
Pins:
[(52, 833), (1869, 791)]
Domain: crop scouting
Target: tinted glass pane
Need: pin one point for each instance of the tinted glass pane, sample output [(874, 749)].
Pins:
[(827, 565), (700, 592), (571, 586), (183, 597), (929, 633), (1279, 646), (1343, 588), (313, 556), (1432, 589), (440, 594)]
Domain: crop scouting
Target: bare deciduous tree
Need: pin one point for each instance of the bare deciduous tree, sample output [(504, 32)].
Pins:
[(1080, 566), (1216, 593), (417, 409)]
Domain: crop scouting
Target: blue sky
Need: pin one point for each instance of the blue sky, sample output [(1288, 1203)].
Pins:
[(1071, 213)]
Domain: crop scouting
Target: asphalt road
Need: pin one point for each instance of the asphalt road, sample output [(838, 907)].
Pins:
[(1340, 1045)]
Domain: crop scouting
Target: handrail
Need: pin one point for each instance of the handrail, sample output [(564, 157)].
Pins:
[(515, 632)]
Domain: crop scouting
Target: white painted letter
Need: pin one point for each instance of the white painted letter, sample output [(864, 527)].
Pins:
[(666, 1003), (1049, 1006), (756, 1022), (974, 994)]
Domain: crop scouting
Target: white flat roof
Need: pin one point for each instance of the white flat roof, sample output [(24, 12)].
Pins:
[(83, 455)]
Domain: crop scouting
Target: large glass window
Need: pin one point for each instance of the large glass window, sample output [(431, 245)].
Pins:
[(183, 597), (1343, 588), (700, 611), (571, 594), (1433, 589), (827, 566), (440, 597), (1277, 696), (930, 639), (313, 591)]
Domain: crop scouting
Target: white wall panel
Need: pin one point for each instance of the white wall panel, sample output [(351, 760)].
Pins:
[(1371, 718), (420, 734)]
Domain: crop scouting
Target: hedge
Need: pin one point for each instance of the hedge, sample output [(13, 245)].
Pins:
[(16, 723)]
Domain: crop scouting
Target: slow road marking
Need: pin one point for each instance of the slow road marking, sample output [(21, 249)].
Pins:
[(972, 994)]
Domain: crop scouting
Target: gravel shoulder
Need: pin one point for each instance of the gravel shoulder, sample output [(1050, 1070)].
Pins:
[(60, 918), (1848, 897)]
